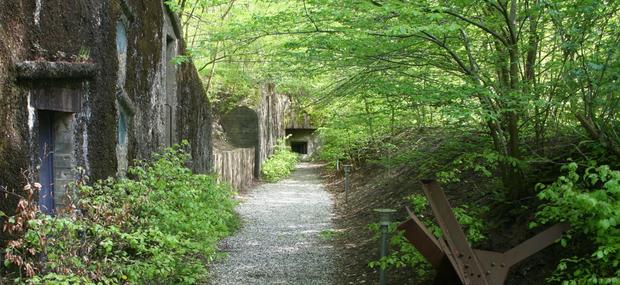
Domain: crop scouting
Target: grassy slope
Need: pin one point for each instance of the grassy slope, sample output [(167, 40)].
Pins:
[(374, 186)]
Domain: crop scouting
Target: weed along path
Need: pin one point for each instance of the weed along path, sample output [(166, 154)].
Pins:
[(284, 238)]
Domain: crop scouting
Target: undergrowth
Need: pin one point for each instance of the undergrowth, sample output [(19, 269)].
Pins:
[(589, 200), (280, 164), (159, 227)]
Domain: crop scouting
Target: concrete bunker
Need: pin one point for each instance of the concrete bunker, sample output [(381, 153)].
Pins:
[(241, 127), (302, 141), (242, 130), (64, 113)]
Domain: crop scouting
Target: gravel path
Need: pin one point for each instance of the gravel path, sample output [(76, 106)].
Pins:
[(283, 239)]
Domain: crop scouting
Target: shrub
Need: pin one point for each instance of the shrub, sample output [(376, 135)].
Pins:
[(280, 164), (160, 227), (590, 202)]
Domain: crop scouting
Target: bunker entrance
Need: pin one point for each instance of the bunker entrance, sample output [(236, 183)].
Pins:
[(299, 147), (56, 156), (55, 91)]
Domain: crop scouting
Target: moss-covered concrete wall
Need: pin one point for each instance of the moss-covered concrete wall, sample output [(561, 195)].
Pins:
[(85, 31), (241, 127), (194, 118), (246, 136), (272, 121), (14, 136)]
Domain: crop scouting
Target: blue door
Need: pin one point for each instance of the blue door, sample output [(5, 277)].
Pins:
[(46, 156)]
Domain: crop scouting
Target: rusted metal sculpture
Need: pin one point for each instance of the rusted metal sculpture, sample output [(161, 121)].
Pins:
[(451, 255)]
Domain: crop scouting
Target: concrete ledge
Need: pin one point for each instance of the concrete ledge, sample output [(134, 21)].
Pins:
[(55, 70)]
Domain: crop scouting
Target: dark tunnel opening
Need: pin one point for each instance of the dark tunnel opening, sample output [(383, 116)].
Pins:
[(299, 147)]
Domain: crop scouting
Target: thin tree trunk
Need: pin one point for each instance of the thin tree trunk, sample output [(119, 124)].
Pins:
[(597, 134)]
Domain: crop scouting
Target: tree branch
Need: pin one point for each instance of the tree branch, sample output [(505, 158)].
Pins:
[(479, 25), (452, 53)]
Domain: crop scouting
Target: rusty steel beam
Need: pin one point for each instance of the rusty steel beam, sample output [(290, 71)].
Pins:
[(422, 239), (535, 244), (451, 255), (494, 265), (432, 249), (446, 274), (465, 260), (497, 265)]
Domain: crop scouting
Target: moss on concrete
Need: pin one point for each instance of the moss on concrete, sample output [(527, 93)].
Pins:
[(66, 30)]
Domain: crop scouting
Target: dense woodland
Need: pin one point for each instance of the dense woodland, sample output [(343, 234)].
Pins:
[(524, 95), (521, 96)]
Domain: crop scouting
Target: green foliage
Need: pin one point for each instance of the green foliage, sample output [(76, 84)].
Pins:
[(329, 234), (340, 144), (160, 227), (448, 87), (83, 55), (406, 255), (280, 164), (590, 201), (518, 73)]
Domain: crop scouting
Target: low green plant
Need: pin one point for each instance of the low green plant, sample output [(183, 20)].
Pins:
[(483, 163), (159, 227), (590, 201), (83, 55), (280, 164), (329, 234), (406, 255)]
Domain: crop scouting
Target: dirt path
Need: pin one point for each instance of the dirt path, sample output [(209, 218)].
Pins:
[(284, 236)]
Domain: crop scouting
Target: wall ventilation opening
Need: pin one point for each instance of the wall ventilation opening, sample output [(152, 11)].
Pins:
[(299, 147), (122, 143), (170, 79), (121, 53), (122, 162), (168, 101)]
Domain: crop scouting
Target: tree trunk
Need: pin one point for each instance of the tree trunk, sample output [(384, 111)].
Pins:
[(597, 134)]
